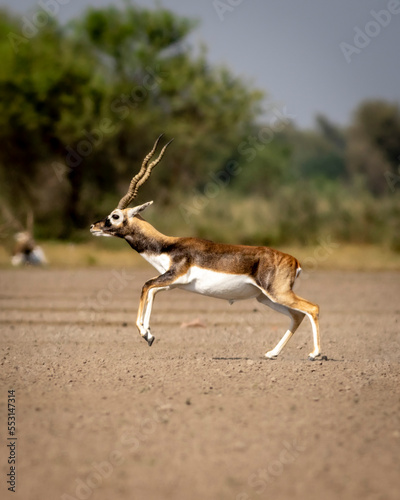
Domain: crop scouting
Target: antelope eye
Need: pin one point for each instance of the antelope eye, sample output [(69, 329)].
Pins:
[(115, 216)]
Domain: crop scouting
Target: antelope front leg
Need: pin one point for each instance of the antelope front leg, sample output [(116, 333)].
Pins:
[(144, 313), (144, 330), (150, 289)]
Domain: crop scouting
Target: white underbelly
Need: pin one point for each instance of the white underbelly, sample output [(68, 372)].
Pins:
[(226, 286)]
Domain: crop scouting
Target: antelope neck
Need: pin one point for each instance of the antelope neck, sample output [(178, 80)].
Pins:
[(146, 239)]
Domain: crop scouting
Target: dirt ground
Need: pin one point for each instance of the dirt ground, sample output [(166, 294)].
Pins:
[(201, 414)]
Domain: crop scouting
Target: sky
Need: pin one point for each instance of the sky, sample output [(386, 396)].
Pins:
[(309, 56)]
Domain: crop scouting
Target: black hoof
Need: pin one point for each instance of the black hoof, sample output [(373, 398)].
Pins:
[(150, 341), (310, 358)]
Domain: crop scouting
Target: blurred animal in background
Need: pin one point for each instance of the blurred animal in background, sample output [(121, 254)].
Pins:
[(25, 250)]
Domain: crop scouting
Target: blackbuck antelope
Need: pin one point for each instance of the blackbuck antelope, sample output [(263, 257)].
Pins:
[(230, 272)]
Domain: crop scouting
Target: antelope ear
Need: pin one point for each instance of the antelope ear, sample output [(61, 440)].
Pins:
[(136, 210)]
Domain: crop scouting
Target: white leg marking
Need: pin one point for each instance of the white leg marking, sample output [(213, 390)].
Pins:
[(139, 324), (281, 344), (316, 352), (141, 319), (285, 339), (264, 299), (145, 320)]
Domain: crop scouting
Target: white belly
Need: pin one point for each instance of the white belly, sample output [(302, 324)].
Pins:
[(226, 286)]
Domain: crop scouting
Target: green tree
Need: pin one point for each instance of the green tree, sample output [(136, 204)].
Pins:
[(318, 154), (82, 104), (50, 93), (373, 144)]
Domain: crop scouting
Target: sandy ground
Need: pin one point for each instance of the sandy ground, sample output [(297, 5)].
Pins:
[(201, 414)]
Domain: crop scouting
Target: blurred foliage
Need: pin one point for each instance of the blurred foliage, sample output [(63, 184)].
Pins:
[(374, 144), (81, 105)]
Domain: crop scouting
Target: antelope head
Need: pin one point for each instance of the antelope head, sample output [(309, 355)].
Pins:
[(121, 221)]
